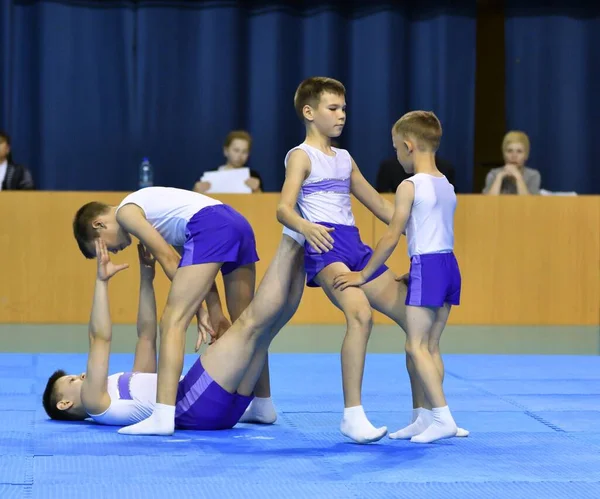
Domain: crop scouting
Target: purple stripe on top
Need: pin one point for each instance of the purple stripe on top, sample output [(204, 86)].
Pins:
[(328, 185), (123, 385)]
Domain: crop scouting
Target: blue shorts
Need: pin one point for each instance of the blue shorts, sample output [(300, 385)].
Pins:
[(434, 279), (347, 249), (219, 234)]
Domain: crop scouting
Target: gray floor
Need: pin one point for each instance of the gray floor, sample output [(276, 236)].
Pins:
[(568, 340)]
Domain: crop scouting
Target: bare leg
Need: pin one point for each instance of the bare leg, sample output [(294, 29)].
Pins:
[(420, 324), (296, 289), (388, 296), (433, 344), (189, 288), (276, 301), (356, 308), (231, 360), (434, 350), (418, 393), (226, 361)]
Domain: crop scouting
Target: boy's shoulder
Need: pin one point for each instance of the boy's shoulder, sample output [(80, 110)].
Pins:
[(339, 150)]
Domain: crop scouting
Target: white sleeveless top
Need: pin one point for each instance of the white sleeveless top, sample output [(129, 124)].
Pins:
[(169, 209), (430, 226), (132, 399), (325, 194)]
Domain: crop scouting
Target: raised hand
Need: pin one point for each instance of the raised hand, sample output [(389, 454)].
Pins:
[(106, 268)]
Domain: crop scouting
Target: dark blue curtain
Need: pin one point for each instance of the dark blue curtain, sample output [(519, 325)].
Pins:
[(89, 88), (552, 92)]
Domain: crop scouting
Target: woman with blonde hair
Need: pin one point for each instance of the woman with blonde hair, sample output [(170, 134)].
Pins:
[(514, 177)]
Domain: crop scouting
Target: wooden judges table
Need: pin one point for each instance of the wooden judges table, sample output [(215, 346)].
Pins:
[(524, 260)]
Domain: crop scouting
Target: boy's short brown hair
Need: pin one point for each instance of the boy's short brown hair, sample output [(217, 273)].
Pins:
[(424, 126), (83, 230), (238, 134), (310, 90)]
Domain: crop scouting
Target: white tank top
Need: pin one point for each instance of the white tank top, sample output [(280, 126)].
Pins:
[(325, 194), (430, 226), (132, 399), (169, 209)]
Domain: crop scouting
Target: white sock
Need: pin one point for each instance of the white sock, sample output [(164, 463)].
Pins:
[(356, 426), (423, 420), (460, 432), (416, 412), (443, 426), (261, 410), (162, 422)]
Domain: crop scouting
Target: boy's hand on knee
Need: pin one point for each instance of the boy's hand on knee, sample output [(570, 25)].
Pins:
[(348, 279), (205, 329)]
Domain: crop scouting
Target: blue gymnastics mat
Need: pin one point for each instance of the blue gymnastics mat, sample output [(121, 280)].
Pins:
[(534, 422)]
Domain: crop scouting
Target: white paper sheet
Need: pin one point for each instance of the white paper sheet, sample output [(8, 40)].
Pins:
[(544, 192), (228, 181)]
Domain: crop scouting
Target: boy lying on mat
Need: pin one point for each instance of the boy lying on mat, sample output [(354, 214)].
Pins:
[(213, 394)]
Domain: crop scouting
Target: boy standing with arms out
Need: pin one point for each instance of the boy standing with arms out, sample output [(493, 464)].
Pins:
[(425, 205)]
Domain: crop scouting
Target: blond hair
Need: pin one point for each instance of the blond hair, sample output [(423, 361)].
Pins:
[(310, 90), (423, 126), (516, 136)]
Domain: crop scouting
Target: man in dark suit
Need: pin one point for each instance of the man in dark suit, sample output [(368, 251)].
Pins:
[(12, 176), (391, 173)]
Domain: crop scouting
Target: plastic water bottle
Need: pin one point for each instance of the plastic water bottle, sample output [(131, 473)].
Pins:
[(146, 174)]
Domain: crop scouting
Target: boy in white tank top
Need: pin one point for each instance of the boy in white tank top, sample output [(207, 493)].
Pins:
[(319, 181), (425, 205), (212, 395), (213, 236)]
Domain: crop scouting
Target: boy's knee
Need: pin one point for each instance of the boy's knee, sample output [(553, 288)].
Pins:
[(434, 348), (414, 348), (361, 317)]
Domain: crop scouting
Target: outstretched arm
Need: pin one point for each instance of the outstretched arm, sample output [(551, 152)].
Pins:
[(94, 395), (369, 197), (404, 199), (145, 349)]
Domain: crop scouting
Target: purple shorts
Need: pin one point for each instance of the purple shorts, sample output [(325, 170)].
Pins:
[(434, 279), (347, 249), (203, 405), (219, 234)]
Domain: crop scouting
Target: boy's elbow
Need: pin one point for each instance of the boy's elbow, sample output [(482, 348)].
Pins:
[(392, 238), (280, 212)]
